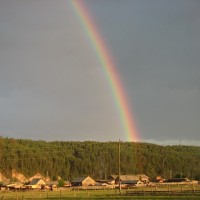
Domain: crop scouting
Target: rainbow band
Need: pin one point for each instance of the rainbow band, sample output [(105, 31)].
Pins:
[(109, 69)]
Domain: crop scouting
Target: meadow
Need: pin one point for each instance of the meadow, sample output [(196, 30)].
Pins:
[(174, 192)]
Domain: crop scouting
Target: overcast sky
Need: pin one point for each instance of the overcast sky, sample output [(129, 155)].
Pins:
[(52, 86)]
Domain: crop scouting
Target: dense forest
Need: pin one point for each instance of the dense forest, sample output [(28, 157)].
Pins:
[(97, 159)]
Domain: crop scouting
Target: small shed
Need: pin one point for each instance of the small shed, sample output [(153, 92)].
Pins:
[(83, 181)]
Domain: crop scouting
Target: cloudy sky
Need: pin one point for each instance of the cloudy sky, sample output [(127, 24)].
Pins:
[(52, 86)]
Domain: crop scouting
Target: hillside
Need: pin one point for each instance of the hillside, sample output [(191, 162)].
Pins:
[(97, 159)]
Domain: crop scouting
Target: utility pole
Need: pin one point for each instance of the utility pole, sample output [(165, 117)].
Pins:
[(163, 163), (119, 167)]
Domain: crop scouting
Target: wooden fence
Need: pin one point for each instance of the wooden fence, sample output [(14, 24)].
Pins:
[(165, 191)]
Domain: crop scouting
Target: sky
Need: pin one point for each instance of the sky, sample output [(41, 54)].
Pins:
[(53, 87)]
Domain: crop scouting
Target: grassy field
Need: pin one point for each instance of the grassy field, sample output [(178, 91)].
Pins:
[(138, 193)]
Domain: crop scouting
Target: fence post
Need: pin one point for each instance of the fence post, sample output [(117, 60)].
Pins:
[(193, 188), (181, 190), (168, 189), (74, 193)]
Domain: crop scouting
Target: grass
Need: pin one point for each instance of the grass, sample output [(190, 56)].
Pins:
[(96, 194)]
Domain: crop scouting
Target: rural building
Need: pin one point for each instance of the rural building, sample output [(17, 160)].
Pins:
[(14, 186), (52, 184), (143, 177), (127, 179), (159, 179), (112, 178), (83, 181), (38, 175), (133, 179), (36, 183), (176, 180), (67, 183)]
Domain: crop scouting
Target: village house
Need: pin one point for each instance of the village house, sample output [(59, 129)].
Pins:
[(112, 178), (159, 179), (36, 183), (51, 184), (177, 180), (67, 183), (83, 181), (129, 180), (137, 180), (143, 177), (14, 186)]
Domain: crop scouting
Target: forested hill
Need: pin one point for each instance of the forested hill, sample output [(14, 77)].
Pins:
[(97, 159)]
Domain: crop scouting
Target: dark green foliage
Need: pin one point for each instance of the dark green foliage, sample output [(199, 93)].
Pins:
[(97, 159), (179, 176), (197, 177), (61, 183)]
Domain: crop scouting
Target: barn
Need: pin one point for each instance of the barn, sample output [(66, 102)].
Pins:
[(83, 181)]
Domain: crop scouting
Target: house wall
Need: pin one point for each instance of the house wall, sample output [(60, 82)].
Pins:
[(88, 181), (41, 182), (35, 186)]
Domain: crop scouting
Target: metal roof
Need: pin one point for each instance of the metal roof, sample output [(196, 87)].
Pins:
[(35, 181), (79, 179)]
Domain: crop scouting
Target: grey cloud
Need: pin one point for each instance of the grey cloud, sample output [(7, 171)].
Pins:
[(52, 82)]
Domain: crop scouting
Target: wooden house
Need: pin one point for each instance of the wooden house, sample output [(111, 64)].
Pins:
[(126, 179), (83, 181), (36, 183), (112, 178), (137, 180), (133, 178), (143, 177), (177, 180), (51, 184), (13, 186), (67, 183)]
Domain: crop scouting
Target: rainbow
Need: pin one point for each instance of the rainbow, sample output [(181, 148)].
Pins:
[(109, 68)]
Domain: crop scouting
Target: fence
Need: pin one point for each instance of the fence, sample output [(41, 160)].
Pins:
[(56, 194), (174, 190), (178, 190)]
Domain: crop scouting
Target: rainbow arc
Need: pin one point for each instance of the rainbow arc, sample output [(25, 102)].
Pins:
[(109, 68)]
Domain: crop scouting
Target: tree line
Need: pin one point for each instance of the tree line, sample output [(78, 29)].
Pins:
[(69, 159)]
